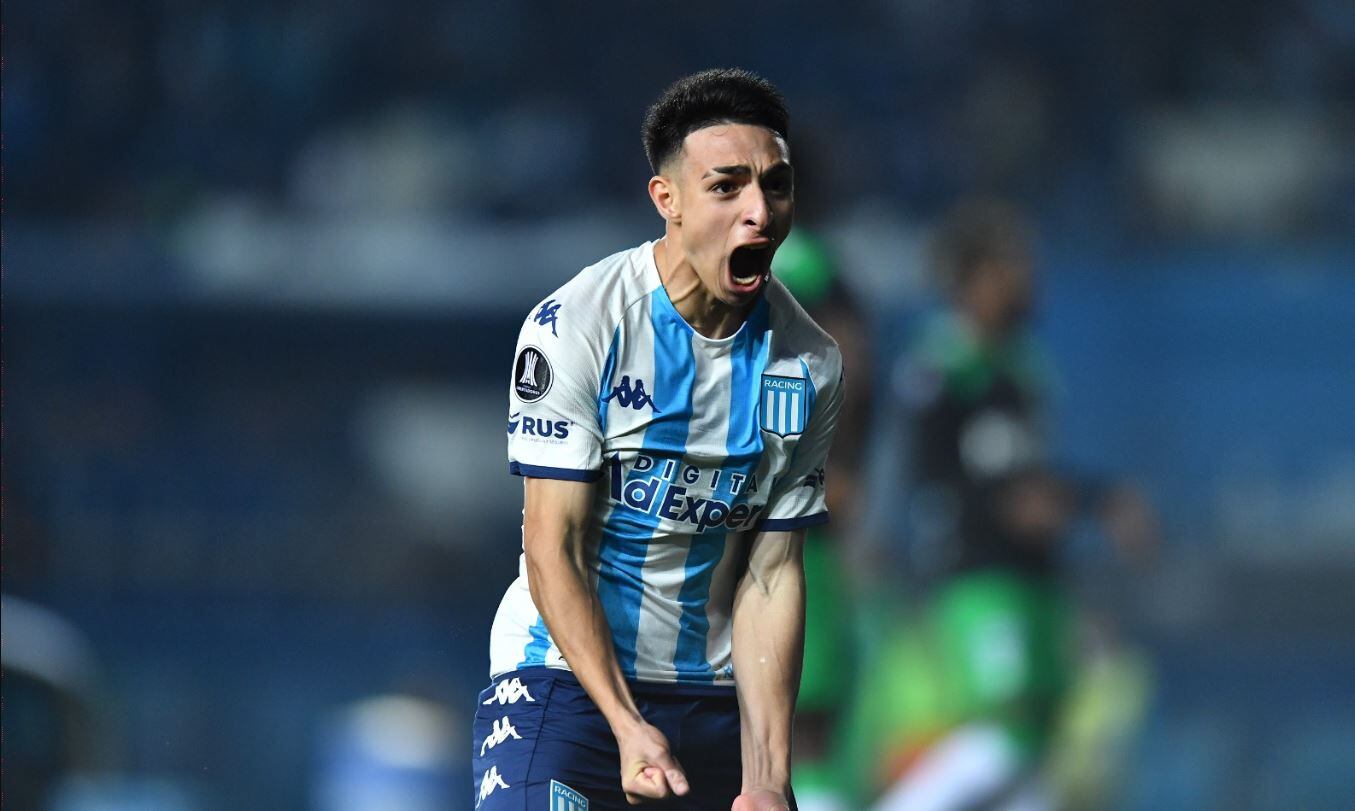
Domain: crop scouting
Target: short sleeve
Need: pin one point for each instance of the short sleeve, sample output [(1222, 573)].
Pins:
[(799, 498), (553, 426)]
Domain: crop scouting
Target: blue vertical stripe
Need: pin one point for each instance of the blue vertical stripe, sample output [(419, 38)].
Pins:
[(605, 384), (628, 532), (534, 653), (689, 659), (743, 452)]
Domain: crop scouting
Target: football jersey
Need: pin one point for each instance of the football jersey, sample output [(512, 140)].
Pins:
[(692, 443)]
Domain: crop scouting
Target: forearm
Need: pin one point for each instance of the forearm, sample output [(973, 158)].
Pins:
[(562, 592), (768, 653)]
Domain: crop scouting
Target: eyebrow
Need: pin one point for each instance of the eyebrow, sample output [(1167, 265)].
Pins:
[(742, 169)]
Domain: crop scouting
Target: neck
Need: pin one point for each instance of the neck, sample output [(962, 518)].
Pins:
[(702, 311)]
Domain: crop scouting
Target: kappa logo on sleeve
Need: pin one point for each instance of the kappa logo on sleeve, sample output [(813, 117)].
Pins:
[(564, 798), (548, 315), (532, 375)]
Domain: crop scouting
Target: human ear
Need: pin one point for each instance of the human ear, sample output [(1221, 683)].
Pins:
[(664, 193)]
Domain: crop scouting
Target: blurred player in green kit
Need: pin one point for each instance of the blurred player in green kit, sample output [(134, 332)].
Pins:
[(984, 675)]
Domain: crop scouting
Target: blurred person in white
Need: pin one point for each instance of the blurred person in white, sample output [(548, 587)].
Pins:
[(671, 410), (990, 508)]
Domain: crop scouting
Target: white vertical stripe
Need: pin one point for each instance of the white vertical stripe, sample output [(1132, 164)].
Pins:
[(666, 563), (708, 432), (660, 611), (769, 410), (795, 412)]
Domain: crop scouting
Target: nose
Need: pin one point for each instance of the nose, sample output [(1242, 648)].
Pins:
[(757, 214)]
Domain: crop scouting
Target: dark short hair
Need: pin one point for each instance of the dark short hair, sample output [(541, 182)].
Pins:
[(716, 96), (975, 232)]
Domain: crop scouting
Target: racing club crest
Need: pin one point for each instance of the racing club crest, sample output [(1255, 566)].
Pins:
[(564, 798), (784, 405), (532, 375)]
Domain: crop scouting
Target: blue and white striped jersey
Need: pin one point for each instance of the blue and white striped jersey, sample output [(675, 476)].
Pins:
[(693, 442)]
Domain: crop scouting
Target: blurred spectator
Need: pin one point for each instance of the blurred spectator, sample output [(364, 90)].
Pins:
[(986, 511)]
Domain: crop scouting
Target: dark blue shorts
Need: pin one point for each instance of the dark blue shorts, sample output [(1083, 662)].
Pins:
[(542, 745)]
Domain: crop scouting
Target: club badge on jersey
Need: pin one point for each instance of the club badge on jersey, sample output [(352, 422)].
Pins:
[(784, 408)]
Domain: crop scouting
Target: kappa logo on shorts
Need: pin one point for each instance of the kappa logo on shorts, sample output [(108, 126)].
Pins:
[(564, 798), (489, 782), (532, 375), (783, 405), (508, 692), (503, 730)]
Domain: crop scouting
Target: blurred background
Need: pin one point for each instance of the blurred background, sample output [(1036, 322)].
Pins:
[(264, 265)]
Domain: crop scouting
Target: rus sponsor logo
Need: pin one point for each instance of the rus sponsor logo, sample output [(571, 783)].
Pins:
[(534, 426)]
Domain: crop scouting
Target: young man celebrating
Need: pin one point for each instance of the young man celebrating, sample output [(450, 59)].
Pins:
[(671, 411)]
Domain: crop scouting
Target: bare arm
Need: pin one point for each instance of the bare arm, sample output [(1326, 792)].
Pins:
[(769, 619), (554, 530)]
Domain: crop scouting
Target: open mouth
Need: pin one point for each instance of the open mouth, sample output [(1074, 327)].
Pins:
[(749, 266)]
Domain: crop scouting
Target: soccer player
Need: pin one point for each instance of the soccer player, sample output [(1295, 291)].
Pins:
[(991, 507), (671, 410)]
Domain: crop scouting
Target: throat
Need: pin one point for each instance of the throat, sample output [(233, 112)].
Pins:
[(702, 311), (714, 319)]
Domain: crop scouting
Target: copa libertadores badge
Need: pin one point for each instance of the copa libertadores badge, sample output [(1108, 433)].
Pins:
[(532, 375)]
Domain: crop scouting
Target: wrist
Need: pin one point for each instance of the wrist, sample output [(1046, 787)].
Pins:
[(765, 771), (624, 721), (771, 786), (777, 781)]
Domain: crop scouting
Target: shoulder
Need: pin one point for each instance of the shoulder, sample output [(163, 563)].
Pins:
[(592, 303), (799, 335)]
